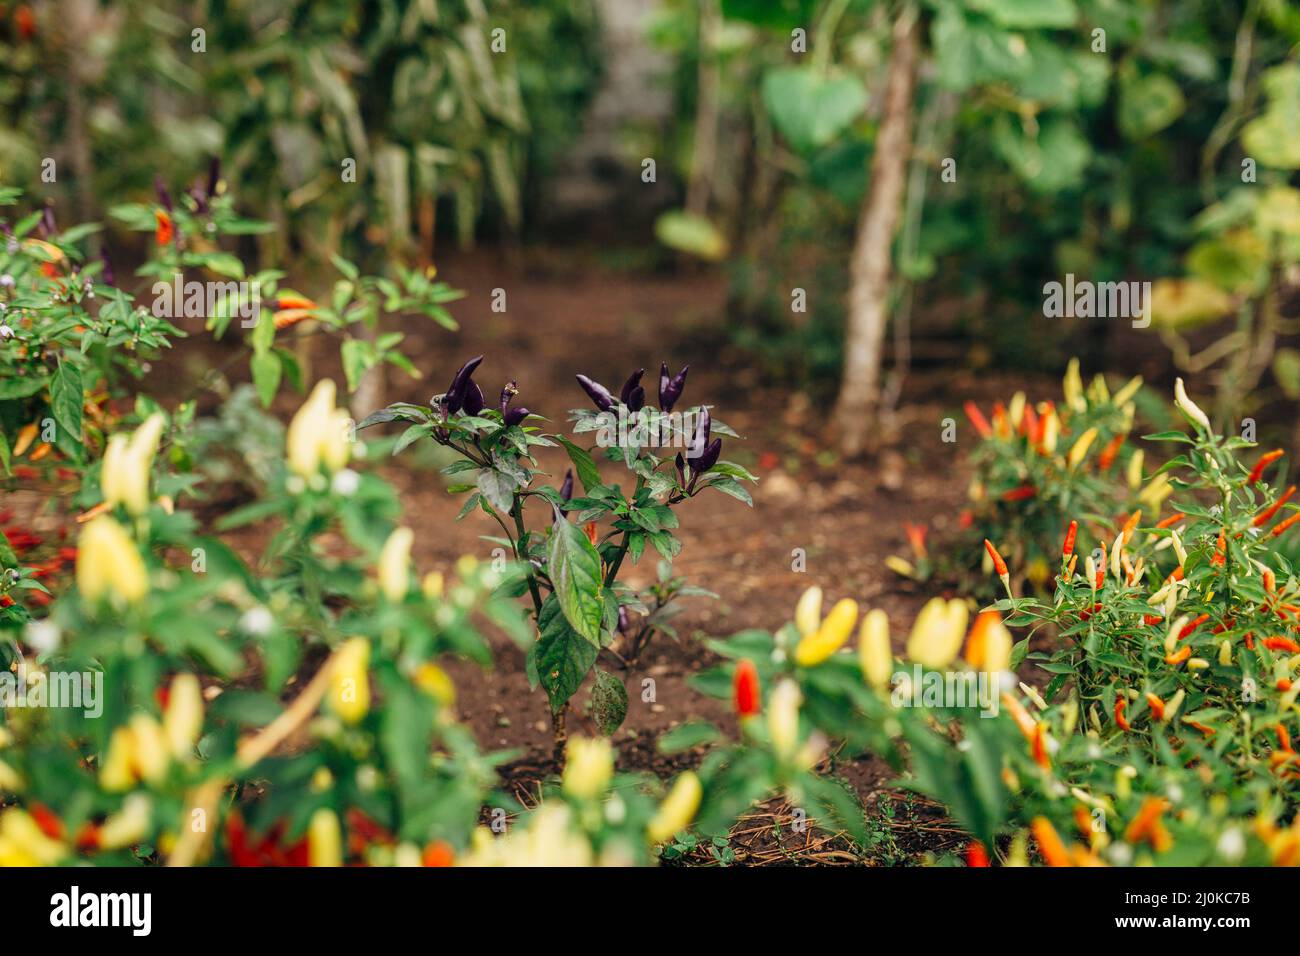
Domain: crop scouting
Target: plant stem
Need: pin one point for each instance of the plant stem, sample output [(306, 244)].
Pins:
[(517, 512)]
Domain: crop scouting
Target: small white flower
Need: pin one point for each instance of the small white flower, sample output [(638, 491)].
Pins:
[(256, 622), (615, 810), (42, 636), (1231, 845), (7, 281), (346, 482), (6, 332)]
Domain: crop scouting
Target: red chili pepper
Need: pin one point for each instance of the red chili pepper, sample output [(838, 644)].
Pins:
[(1020, 494), (48, 822), (999, 565), (1282, 644), (976, 855), (1171, 520), (1029, 423), (1264, 461), (1283, 525), (1193, 625), (1228, 624), (1249, 639), (1265, 516), (745, 690), (916, 537), (1151, 619), (1107, 456), (164, 231), (1000, 422), (1283, 684), (1070, 533), (1121, 703), (978, 420), (1220, 550), (965, 519)]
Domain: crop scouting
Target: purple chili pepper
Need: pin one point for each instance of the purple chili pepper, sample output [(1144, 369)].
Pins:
[(623, 622), (703, 428), (598, 393), (680, 462), (706, 461), (455, 397), (108, 275), (633, 395), (160, 188), (709, 458), (474, 398), (47, 226), (509, 391), (670, 389), (515, 416), (214, 176), (566, 486)]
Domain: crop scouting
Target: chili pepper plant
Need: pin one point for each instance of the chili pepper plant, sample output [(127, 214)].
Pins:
[(1036, 466), (575, 550)]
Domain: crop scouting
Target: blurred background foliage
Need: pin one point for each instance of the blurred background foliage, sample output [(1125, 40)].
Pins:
[(1105, 138), (449, 111)]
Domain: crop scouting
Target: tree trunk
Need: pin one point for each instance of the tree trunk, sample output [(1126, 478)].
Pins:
[(872, 261)]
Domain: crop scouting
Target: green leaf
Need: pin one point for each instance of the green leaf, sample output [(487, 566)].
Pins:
[(266, 369), (1286, 367), (1027, 14), (574, 567), (583, 463), (608, 703), (809, 108), (688, 735), (357, 357), (498, 488), (66, 399), (1148, 104), (560, 658)]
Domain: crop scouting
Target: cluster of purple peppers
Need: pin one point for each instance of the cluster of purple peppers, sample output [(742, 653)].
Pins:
[(465, 395)]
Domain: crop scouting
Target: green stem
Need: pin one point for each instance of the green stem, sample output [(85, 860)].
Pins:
[(517, 512)]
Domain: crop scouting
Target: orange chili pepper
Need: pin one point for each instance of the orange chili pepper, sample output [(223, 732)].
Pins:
[(1207, 731), (1157, 706), (1146, 824), (1049, 844), (1131, 525), (1283, 738), (1178, 656), (978, 420), (1121, 702), (1265, 516), (1038, 747), (976, 855), (26, 435), (1173, 519), (1107, 456), (1283, 525), (439, 853), (41, 450), (1282, 644), (1258, 471)]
